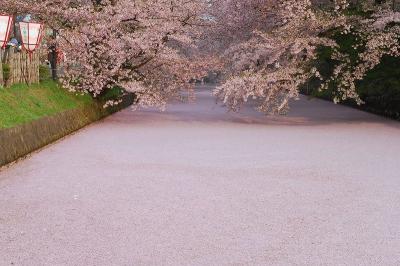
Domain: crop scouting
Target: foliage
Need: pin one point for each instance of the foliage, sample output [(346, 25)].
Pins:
[(379, 90), (371, 70), (373, 36)]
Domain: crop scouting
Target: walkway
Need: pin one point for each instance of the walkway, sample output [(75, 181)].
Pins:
[(198, 186)]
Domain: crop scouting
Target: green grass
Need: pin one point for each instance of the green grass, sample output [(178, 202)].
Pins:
[(21, 103)]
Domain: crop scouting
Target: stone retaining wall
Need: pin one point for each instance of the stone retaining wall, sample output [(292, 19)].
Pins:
[(21, 140)]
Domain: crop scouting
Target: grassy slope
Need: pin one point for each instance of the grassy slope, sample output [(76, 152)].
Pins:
[(22, 103)]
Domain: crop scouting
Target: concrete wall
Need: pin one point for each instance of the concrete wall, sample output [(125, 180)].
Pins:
[(19, 141)]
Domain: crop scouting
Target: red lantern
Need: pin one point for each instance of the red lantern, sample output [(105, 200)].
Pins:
[(5, 29), (31, 35)]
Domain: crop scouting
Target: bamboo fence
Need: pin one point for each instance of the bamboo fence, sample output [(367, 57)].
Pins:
[(23, 68)]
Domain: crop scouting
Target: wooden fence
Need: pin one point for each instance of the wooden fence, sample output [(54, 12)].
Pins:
[(18, 67)]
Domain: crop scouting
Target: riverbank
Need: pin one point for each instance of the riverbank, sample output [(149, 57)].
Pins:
[(32, 117)]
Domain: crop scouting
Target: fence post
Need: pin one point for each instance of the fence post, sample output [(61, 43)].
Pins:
[(1, 68)]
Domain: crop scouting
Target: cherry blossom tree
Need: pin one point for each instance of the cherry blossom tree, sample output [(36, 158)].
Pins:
[(272, 58), (140, 46), (267, 48), (377, 31), (274, 55)]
